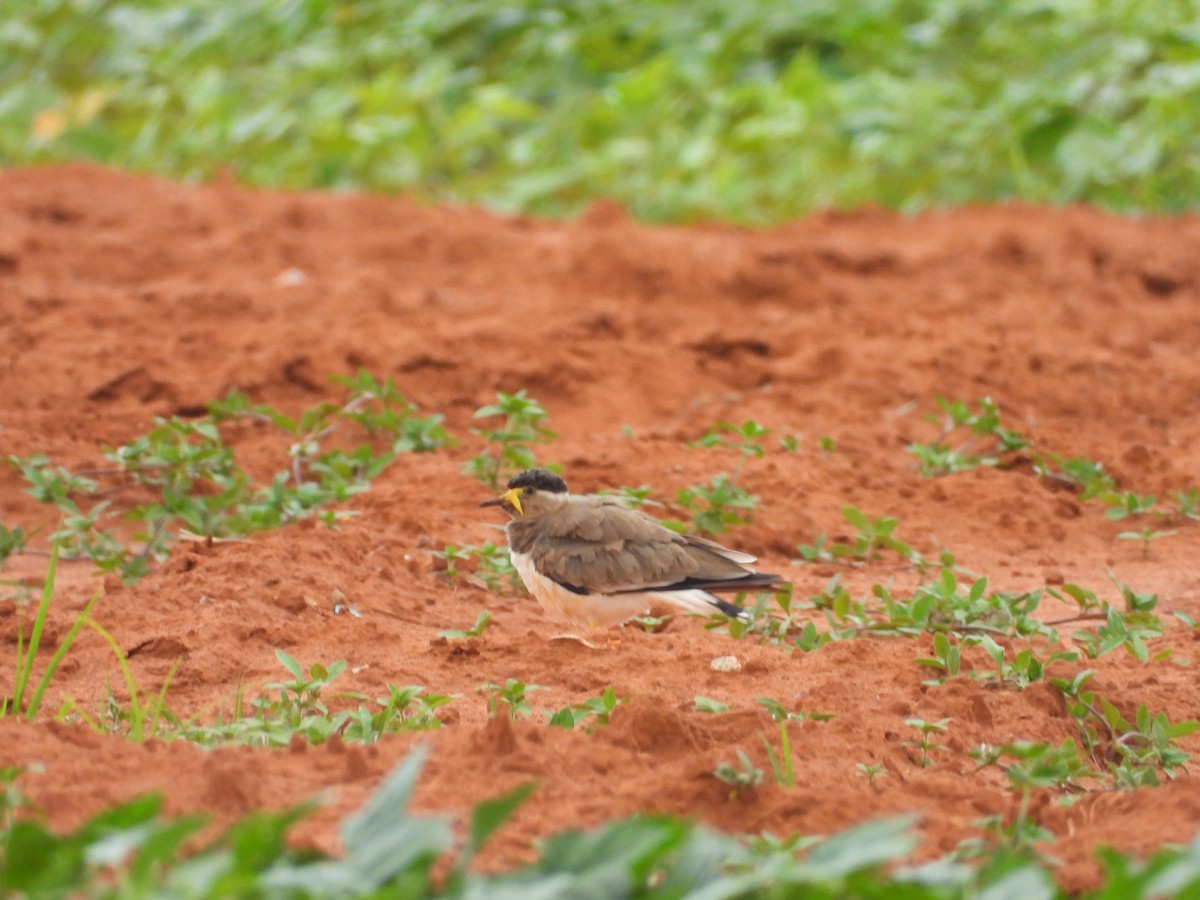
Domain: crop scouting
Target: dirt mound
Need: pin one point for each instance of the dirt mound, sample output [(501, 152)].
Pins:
[(127, 298)]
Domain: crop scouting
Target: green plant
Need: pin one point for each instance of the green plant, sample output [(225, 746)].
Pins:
[(746, 438), (284, 709), (27, 653), (198, 488), (1031, 765), (632, 111), (1145, 747), (511, 444), (1128, 754), (1086, 475), (871, 771), (1122, 505), (925, 743), (947, 658), (597, 709), (494, 569), (476, 630), (511, 694), (779, 713), (407, 708), (12, 540), (451, 556), (979, 439), (142, 719), (132, 850), (871, 536), (781, 765), (717, 506), (650, 624), (771, 619), (742, 776), (13, 801), (940, 605), (1129, 627), (1147, 536), (490, 566), (708, 705), (1187, 505), (1025, 668)]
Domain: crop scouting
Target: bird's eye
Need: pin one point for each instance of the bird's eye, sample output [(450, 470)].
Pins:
[(529, 490)]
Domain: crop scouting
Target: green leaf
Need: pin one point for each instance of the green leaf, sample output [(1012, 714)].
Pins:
[(862, 847), (490, 815)]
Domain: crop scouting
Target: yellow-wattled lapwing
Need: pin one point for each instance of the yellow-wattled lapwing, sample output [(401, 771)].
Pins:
[(595, 562)]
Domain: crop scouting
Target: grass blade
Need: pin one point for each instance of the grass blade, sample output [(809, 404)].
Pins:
[(25, 661), (135, 707), (35, 701)]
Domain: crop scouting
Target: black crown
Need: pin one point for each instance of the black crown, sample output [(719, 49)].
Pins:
[(541, 479)]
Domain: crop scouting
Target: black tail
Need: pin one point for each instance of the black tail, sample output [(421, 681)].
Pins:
[(731, 609), (750, 582)]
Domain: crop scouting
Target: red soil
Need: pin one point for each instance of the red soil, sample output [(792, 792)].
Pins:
[(124, 298)]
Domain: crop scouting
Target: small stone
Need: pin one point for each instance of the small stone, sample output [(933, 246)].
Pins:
[(726, 664)]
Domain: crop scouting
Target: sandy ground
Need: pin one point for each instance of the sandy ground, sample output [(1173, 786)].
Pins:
[(123, 298)]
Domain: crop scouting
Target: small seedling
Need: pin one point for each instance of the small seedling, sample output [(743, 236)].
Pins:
[(650, 624), (1129, 627), (16, 703), (511, 694), (1025, 668), (871, 771), (487, 565), (451, 557), (1086, 475), (985, 443), (926, 744), (494, 569), (717, 506), (1187, 504), (480, 626), (406, 708), (12, 540), (511, 445), (781, 765), (1127, 503), (708, 705), (947, 658), (1147, 536), (598, 709), (1033, 766), (779, 713), (742, 776), (747, 438)]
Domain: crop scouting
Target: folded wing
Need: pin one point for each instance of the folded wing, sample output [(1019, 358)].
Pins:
[(600, 546)]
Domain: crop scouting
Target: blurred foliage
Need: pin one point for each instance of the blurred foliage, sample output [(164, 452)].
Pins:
[(748, 110)]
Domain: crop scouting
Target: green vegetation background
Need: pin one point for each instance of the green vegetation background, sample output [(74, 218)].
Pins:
[(746, 110)]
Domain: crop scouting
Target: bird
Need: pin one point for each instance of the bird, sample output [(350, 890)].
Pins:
[(595, 562)]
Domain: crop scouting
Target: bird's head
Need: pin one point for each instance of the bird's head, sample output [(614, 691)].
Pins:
[(532, 493)]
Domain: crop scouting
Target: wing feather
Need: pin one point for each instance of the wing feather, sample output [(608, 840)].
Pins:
[(601, 546)]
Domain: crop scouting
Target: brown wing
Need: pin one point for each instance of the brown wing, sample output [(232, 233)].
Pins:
[(596, 545)]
